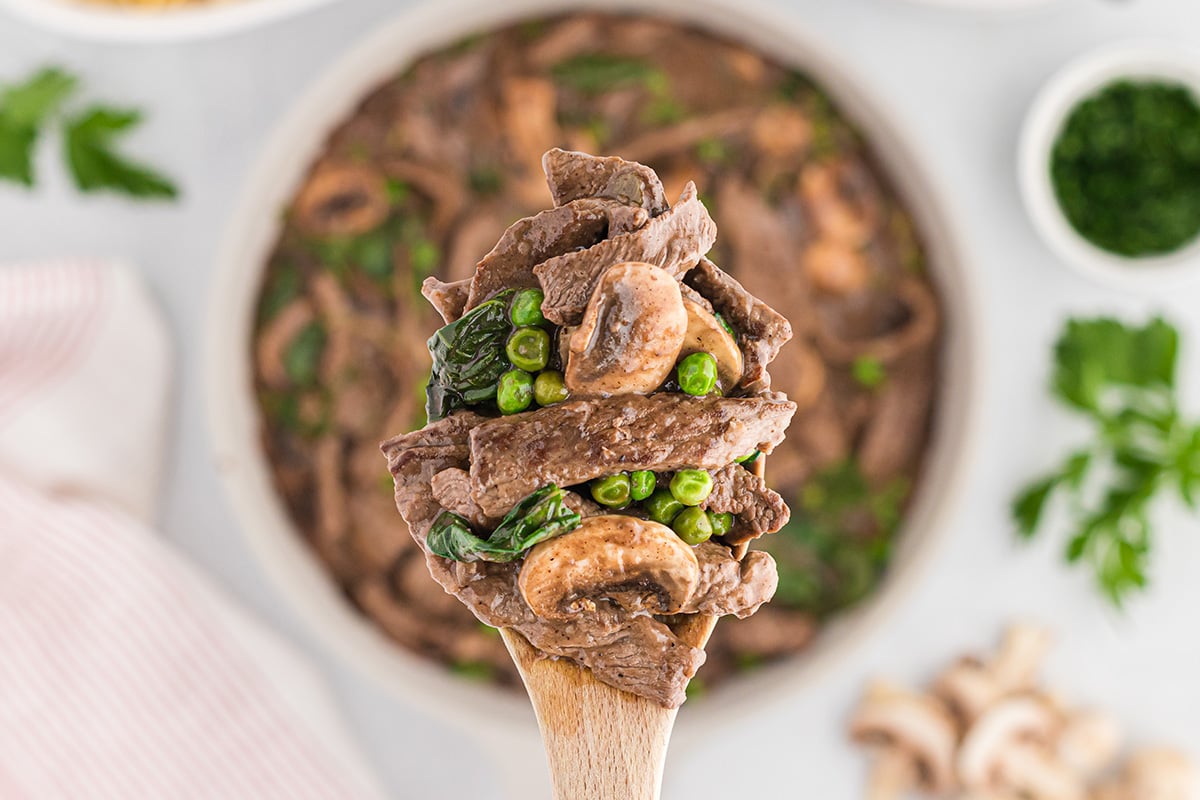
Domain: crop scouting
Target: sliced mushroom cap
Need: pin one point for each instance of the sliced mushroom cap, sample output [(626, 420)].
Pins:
[(969, 688), (1031, 770), (631, 334), (705, 333), (1159, 774), (984, 748), (634, 563), (342, 200), (913, 724), (1089, 742), (1020, 656)]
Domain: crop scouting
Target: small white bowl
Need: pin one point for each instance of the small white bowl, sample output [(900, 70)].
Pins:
[(98, 21), (1057, 99)]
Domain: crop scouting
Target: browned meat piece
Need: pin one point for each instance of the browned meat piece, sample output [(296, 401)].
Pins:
[(683, 136), (449, 299), (276, 336), (449, 431), (756, 509), (452, 489), (897, 429), (761, 330), (675, 241), (533, 240), (529, 125), (643, 657), (577, 441), (573, 175), (729, 586)]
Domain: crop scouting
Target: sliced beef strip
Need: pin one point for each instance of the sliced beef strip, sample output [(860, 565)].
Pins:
[(572, 175), (675, 241), (452, 490), (761, 330), (756, 509), (891, 442), (451, 430), (448, 299), (729, 586), (573, 442), (643, 657), (532, 240)]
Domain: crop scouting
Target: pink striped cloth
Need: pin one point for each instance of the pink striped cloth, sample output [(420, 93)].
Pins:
[(123, 673)]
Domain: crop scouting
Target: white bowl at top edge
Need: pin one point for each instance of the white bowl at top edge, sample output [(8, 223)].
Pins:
[(97, 20), (234, 418), (1071, 84)]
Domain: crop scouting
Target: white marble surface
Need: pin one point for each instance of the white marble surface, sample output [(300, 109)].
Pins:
[(961, 81)]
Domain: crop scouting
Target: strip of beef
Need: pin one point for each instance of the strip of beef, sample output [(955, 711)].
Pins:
[(675, 241), (574, 442), (452, 490), (644, 657), (762, 330), (729, 586), (756, 509), (572, 175), (451, 430), (530, 241), (448, 299)]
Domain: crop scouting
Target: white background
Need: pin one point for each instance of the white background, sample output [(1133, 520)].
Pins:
[(961, 81)]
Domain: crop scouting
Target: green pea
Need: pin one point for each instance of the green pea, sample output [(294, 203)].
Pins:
[(697, 374), (611, 491), (693, 526), (528, 349), (527, 308), (548, 388), (662, 506), (721, 523), (642, 484), (691, 486), (515, 391)]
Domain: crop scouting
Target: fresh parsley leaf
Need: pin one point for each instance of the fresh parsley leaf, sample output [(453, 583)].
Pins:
[(24, 109), (29, 104), (1122, 378), (90, 140), (16, 152)]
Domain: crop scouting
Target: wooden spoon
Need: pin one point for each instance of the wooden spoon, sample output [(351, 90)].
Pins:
[(602, 743)]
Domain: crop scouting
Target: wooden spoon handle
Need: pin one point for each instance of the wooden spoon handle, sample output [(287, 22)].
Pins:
[(601, 743)]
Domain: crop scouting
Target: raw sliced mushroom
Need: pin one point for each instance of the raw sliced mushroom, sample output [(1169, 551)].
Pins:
[(631, 334), (705, 333), (342, 200), (969, 688), (914, 725), (1089, 742), (984, 756), (633, 563), (1154, 774)]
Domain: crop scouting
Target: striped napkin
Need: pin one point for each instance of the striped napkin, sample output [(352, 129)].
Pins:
[(123, 673)]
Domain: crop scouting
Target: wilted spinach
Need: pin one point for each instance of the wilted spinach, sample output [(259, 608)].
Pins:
[(540, 516), (469, 358)]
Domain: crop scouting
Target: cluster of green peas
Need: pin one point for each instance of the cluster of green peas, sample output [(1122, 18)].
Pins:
[(676, 505), (528, 350)]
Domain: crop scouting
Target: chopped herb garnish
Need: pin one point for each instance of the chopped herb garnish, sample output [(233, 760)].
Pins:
[(283, 286), (302, 358), (713, 151), (596, 73), (1126, 168), (1122, 378)]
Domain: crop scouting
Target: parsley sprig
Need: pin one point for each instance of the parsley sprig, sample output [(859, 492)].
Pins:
[(1123, 379), (90, 138)]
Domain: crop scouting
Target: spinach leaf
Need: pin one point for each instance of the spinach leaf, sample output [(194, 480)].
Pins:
[(469, 358), (540, 516)]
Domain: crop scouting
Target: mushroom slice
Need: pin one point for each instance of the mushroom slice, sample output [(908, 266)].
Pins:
[(1020, 657), (1089, 741), (705, 333), (912, 724), (631, 334), (969, 688), (985, 747), (1155, 774), (342, 200), (633, 563)]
